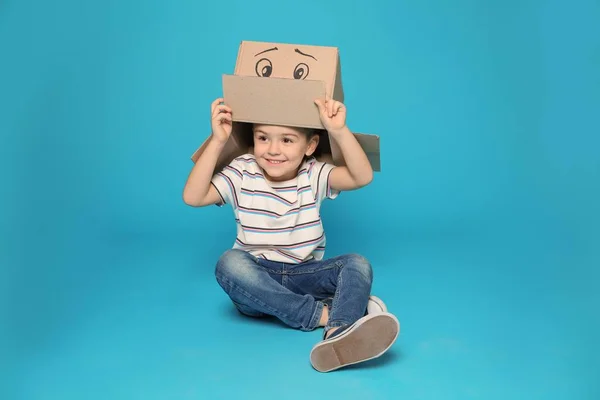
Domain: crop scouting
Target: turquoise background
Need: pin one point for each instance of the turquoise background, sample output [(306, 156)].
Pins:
[(483, 226)]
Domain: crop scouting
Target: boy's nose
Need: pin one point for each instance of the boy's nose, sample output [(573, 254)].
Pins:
[(273, 148)]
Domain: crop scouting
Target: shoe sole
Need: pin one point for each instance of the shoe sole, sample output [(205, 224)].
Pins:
[(369, 338)]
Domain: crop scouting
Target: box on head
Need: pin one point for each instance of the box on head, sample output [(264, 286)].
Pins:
[(277, 83)]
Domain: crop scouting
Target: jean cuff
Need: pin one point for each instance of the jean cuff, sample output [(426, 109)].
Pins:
[(316, 317), (334, 324)]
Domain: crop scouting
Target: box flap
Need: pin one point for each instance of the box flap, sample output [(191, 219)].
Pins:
[(371, 146), (273, 101)]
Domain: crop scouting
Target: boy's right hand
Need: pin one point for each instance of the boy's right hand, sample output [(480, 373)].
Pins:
[(221, 121)]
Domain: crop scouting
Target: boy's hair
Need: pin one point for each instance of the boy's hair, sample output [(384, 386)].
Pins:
[(324, 146), (308, 132)]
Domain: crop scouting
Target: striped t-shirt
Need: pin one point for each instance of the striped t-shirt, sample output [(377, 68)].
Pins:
[(278, 221)]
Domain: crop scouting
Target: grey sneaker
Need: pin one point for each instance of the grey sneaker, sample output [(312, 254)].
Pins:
[(368, 338), (375, 305)]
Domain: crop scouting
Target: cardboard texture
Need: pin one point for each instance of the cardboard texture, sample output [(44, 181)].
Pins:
[(297, 74), (258, 100)]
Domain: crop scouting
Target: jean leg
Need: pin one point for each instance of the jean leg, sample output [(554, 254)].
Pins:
[(252, 287), (352, 293), (347, 278), (248, 311)]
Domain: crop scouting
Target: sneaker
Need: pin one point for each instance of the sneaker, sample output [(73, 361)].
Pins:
[(375, 305), (366, 339)]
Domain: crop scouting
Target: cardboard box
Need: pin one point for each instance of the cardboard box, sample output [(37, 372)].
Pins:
[(276, 83)]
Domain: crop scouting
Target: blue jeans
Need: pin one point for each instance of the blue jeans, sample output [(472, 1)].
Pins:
[(296, 293)]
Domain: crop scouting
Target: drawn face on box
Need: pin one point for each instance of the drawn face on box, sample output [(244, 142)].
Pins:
[(280, 60)]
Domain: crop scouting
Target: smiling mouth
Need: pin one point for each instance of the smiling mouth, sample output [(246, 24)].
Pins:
[(274, 162)]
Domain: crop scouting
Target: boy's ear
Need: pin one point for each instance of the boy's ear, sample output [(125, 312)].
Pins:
[(312, 145)]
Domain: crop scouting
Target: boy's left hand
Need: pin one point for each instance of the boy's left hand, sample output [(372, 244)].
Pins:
[(332, 113)]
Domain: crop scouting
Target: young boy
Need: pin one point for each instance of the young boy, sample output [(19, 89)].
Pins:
[(276, 266)]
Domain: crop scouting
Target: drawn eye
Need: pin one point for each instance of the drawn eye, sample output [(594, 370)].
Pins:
[(301, 71), (264, 67)]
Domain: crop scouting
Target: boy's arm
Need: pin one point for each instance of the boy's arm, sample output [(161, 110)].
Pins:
[(357, 172), (198, 190)]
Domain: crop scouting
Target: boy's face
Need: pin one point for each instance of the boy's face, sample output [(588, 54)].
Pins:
[(280, 150)]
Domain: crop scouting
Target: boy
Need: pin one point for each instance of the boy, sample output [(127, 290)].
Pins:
[(276, 266)]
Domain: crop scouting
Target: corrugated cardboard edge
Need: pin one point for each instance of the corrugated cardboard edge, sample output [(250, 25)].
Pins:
[(338, 87), (236, 69)]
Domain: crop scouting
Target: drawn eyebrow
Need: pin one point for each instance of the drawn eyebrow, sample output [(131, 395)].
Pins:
[(264, 51), (304, 54)]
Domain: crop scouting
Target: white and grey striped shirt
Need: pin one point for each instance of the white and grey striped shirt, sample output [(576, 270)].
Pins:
[(277, 221)]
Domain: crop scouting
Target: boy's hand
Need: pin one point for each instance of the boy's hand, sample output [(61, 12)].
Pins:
[(221, 121), (332, 113)]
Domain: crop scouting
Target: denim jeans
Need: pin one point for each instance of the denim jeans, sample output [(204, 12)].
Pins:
[(296, 293)]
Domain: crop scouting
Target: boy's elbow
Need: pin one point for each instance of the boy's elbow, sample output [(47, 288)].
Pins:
[(366, 179), (187, 200), (370, 177), (191, 200)]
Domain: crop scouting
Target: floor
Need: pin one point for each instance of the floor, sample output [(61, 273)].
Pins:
[(143, 318)]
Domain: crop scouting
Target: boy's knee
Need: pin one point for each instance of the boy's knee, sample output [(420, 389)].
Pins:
[(236, 266), (232, 256), (231, 262), (361, 265)]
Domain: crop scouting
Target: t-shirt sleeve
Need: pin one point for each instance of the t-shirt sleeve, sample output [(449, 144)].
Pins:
[(228, 182), (319, 173)]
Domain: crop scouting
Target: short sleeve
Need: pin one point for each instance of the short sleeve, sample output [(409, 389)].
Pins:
[(319, 174), (228, 182)]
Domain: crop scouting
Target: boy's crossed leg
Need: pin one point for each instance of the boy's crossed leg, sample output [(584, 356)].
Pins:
[(299, 295), (256, 287)]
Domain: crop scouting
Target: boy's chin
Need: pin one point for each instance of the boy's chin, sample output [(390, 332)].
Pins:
[(278, 173)]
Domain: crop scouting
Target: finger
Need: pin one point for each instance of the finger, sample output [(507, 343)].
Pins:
[(224, 117), (215, 103), (221, 109), (320, 105), (224, 108), (336, 107), (330, 105)]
